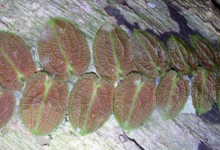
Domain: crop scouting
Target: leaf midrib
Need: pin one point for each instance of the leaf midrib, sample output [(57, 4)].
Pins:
[(118, 68), (181, 55), (96, 85), (47, 85), (69, 67), (204, 53), (134, 100), (175, 80), (19, 75), (203, 86), (146, 50)]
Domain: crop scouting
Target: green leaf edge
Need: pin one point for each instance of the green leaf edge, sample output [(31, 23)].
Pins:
[(164, 114), (126, 126), (200, 109), (110, 28), (50, 23), (35, 132), (193, 43), (83, 131), (145, 33), (179, 40), (20, 76)]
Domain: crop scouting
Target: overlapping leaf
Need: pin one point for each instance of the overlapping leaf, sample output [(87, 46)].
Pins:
[(182, 58), (90, 103), (203, 90), (172, 94), (63, 49), (206, 54), (149, 54), (16, 62), (7, 103), (112, 54), (43, 104), (134, 101)]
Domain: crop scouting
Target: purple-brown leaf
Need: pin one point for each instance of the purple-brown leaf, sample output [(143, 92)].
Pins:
[(172, 94), (203, 90), (44, 103), (206, 54), (134, 101), (149, 54), (182, 58), (63, 49), (112, 54), (7, 103), (16, 62), (90, 103)]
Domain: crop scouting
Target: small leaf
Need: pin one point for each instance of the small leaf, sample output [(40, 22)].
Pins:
[(203, 90), (149, 54), (63, 49), (181, 56), (16, 62), (44, 103), (7, 103), (90, 103), (206, 54), (172, 94), (134, 101), (112, 54), (217, 87)]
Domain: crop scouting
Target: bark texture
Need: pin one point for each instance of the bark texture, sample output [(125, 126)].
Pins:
[(163, 18)]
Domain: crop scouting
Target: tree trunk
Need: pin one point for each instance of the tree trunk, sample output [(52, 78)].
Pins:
[(163, 18)]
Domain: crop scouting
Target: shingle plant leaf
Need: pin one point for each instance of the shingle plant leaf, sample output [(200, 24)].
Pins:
[(134, 100), (111, 53), (172, 94), (206, 54), (182, 58), (63, 49), (217, 88), (7, 103), (203, 90), (149, 54), (90, 103), (16, 62), (44, 103)]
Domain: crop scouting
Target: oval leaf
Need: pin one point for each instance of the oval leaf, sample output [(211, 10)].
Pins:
[(43, 104), (149, 54), (206, 54), (63, 49), (182, 58), (217, 87), (16, 62), (7, 103), (134, 101), (203, 90), (90, 103), (172, 94), (112, 54)]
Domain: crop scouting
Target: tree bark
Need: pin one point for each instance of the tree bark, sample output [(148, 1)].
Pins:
[(160, 17)]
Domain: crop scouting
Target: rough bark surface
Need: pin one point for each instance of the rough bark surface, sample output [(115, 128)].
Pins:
[(160, 17)]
